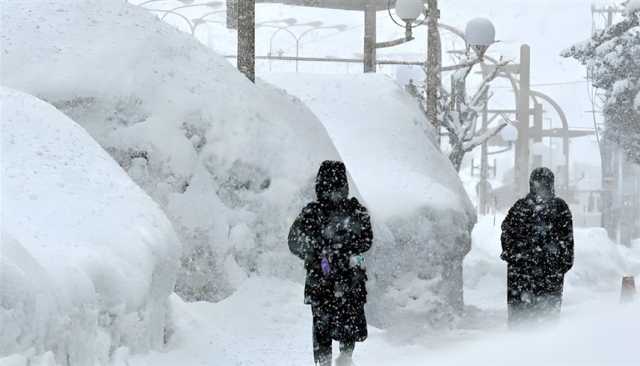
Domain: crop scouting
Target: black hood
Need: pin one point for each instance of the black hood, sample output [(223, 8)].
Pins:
[(331, 183), (542, 183)]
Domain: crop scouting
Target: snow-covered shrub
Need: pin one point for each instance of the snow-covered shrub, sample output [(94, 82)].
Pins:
[(87, 259), (231, 163), (422, 215)]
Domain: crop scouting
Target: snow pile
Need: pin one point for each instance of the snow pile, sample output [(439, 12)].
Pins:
[(262, 323), (87, 259), (231, 163), (422, 214)]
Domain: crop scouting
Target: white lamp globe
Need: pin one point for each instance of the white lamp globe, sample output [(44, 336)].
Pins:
[(509, 133), (409, 10), (480, 32)]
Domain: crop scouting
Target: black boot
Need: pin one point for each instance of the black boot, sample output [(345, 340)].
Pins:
[(346, 354), (321, 339)]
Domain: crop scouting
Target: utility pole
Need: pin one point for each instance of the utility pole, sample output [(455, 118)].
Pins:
[(247, 38), (434, 64), (232, 14), (522, 145), (370, 38)]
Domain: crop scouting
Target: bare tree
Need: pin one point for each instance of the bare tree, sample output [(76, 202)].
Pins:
[(458, 111)]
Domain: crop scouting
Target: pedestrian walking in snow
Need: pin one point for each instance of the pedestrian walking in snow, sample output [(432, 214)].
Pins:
[(537, 244), (330, 235)]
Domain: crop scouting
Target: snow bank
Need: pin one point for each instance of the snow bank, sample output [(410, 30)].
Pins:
[(87, 259), (423, 215), (230, 163), (262, 323)]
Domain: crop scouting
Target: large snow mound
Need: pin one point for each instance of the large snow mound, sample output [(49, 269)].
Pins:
[(423, 214), (381, 132), (88, 260), (231, 163)]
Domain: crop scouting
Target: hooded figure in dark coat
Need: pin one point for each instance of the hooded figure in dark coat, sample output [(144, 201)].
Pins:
[(537, 244), (330, 235)]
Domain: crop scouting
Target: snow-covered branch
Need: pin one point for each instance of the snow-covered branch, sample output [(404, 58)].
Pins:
[(612, 58), (459, 113)]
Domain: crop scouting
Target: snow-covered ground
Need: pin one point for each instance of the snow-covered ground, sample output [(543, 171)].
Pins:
[(87, 259), (266, 323)]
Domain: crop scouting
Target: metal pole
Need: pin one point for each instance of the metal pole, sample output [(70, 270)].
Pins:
[(522, 145), (620, 198), (434, 63), (297, 52), (247, 38), (370, 38), (537, 135), (484, 162)]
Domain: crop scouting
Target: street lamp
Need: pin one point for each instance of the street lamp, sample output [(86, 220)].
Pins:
[(480, 34), (314, 25), (409, 10), (509, 134)]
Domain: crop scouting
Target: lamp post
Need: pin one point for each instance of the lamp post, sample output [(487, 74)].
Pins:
[(407, 10), (479, 36), (433, 66), (298, 38), (522, 147), (193, 24)]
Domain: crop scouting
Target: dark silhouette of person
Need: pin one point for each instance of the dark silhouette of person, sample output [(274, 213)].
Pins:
[(330, 235), (537, 244)]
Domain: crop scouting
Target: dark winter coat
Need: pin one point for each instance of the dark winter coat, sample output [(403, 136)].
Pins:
[(537, 242), (334, 230)]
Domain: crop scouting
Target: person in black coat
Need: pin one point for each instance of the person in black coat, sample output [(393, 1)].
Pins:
[(537, 244), (330, 235)]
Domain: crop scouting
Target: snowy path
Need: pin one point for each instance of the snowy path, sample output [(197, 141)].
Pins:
[(266, 323)]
